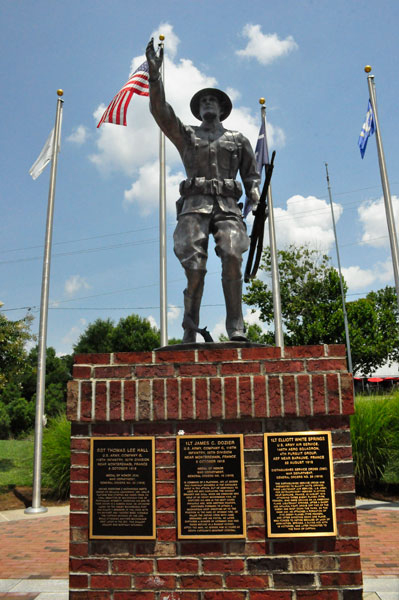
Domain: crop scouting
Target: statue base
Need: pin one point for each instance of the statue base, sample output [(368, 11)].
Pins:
[(229, 396)]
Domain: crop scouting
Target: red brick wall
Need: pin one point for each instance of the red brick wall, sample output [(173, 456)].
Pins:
[(231, 390)]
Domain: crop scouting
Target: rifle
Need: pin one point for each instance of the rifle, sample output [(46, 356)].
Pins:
[(258, 227), (189, 323)]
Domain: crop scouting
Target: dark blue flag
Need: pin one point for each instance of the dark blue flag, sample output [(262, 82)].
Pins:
[(367, 130), (261, 151), (262, 159)]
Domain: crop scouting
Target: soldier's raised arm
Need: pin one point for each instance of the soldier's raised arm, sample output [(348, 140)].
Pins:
[(154, 60), (162, 112)]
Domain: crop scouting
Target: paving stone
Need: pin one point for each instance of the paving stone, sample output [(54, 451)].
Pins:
[(34, 555)]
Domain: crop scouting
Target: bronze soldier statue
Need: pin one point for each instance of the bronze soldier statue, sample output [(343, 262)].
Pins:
[(209, 197)]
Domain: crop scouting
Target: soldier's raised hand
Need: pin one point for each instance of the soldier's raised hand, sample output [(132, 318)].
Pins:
[(153, 59)]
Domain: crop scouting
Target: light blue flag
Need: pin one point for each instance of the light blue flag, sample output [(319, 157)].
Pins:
[(367, 130)]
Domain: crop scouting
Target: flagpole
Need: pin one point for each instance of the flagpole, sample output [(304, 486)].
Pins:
[(162, 227), (348, 344), (278, 327), (41, 365), (385, 183)]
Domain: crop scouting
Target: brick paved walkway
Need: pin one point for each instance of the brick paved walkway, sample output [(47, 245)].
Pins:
[(379, 542), (37, 548), (34, 548)]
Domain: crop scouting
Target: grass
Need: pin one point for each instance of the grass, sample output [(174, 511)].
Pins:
[(16, 459), (375, 440), (57, 456), (391, 474)]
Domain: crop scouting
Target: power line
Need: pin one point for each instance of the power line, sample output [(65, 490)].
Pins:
[(297, 216), (131, 289), (130, 231), (36, 308), (86, 251), (93, 237)]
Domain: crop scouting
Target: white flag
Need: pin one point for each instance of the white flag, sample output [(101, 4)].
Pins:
[(44, 157)]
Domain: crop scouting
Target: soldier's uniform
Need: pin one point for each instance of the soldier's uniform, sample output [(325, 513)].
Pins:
[(209, 203)]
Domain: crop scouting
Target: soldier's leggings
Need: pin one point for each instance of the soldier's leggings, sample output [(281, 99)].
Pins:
[(229, 231)]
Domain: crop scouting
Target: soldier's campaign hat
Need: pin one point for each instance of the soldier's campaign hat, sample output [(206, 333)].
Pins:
[(224, 101)]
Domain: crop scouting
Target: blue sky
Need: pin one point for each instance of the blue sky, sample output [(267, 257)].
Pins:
[(305, 57)]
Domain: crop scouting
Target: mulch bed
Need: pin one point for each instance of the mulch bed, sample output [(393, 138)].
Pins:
[(21, 497)]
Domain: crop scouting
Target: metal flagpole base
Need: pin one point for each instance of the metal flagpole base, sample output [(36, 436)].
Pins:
[(33, 511)]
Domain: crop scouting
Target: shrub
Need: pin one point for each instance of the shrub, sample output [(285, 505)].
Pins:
[(22, 416), (56, 457), (375, 439), (5, 423)]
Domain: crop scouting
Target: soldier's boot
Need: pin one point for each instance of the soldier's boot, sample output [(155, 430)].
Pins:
[(232, 290), (192, 303)]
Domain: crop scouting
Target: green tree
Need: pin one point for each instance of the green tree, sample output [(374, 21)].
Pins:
[(374, 330), (255, 334), (311, 305), (20, 412), (130, 334), (22, 416), (96, 338), (58, 370), (13, 338), (5, 422), (311, 301)]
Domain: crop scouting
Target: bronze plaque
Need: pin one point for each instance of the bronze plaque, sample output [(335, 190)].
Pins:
[(122, 488), (299, 484), (210, 487)]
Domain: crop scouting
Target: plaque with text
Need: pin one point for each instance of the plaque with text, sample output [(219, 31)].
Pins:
[(210, 487), (299, 484), (122, 488)]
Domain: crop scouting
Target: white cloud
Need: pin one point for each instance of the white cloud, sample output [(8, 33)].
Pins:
[(128, 148), (242, 120), (144, 192), (171, 41), (265, 47), (306, 221), (218, 330), (123, 149), (152, 321), (252, 317), (358, 278), (173, 312), (73, 334), (133, 150), (79, 135), (373, 218), (385, 271), (74, 284)]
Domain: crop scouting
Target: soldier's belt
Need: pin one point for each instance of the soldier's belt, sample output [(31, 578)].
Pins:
[(214, 187)]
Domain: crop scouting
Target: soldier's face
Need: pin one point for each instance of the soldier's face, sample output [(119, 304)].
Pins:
[(209, 107)]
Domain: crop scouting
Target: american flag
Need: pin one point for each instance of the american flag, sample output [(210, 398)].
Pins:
[(137, 84)]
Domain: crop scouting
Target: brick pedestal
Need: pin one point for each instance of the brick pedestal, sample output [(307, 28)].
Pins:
[(213, 391)]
